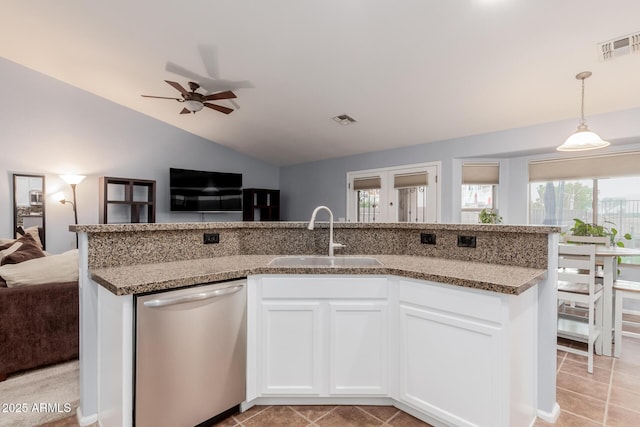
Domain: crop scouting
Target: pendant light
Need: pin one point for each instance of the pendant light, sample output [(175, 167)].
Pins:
[(583, 138)]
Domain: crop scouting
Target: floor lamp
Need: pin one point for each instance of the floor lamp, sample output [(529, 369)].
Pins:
[(73, 181)]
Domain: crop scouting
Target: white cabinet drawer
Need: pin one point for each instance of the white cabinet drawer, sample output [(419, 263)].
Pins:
[(473, 303), (323, 287)]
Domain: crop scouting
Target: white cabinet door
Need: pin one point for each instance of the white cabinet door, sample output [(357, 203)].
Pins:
[(290, 357), (450, 366), (358, 348)]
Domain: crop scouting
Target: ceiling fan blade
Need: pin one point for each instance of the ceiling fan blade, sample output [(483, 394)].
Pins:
[(222, 95), (181, 71), (220, 108), (209, 55), (160, 97), (185, 111), (178, 87), (209, 84), (223, 84)]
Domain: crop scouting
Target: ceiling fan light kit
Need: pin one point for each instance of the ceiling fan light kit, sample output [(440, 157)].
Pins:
[(583, 139), (193, 105)]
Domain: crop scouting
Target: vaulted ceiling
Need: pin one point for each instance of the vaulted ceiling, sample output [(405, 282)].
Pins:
[(409, 71)]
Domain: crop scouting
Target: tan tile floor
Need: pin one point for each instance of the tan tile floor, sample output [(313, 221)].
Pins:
[(322, 416), (610, 397)]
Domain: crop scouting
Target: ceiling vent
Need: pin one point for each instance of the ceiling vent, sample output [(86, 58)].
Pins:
[(344, 119), (619, 47)]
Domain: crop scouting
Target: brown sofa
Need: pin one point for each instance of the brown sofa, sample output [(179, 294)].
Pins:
[(39, 326)]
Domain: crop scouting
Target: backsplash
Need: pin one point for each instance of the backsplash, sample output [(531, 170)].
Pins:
[(130, 244)]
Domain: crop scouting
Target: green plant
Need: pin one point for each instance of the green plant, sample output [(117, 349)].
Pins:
[(489, 216), (581, 228)]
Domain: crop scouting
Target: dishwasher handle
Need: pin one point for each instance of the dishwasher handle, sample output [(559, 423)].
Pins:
[(201, 296)]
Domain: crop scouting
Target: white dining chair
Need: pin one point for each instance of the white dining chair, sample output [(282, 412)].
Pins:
[(577, 284), (590, 240), (623, 289)]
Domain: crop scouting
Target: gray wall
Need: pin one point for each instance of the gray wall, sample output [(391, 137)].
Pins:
[(305, 186), (51, 128)]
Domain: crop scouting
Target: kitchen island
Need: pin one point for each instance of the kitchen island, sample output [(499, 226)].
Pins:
[(507, 273)]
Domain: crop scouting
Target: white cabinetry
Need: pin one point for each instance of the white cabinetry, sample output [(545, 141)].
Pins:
[(318, 335), (465, 356), (358, 347), (446, 354), (290, 352)]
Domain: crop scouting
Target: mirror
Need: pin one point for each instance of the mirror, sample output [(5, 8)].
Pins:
[(28, 203)]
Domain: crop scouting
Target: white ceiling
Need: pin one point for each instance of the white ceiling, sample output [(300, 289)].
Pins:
[(410, 71)]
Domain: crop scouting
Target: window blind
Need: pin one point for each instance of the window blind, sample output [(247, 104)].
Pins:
[(602, 166), (420, 179), (368, 183), (480, 173)]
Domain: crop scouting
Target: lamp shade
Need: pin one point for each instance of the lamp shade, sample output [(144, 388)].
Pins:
[(583, 139), (72, 179)]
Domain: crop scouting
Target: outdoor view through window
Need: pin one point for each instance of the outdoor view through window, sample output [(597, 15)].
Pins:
[(611, 202)]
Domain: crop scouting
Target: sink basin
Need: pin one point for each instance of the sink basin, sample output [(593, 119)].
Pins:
[(324, 261)]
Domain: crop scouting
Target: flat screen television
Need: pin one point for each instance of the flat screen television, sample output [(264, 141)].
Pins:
[(201, 191)]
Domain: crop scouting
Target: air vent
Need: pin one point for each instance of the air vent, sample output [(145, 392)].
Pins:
[(344, 119), (618, 47)]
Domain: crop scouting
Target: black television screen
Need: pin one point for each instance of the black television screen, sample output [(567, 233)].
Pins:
[(200, 191)]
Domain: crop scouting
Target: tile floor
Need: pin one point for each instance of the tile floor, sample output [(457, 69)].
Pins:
[(322, 416), (302, 416), (610, 397)]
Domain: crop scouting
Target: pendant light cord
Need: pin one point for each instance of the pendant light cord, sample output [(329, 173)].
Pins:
[(582, 121)]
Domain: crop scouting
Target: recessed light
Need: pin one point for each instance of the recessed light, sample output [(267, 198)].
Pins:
[(344, 119)]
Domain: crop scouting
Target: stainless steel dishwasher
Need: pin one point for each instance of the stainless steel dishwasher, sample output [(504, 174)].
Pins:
[(190, 354)]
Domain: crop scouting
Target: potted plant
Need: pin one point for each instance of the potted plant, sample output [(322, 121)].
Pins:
[(581, 228), (607, 230), (489, 216)]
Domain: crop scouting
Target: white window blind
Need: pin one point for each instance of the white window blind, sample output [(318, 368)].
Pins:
[(368, 183), (602, 166), (480, 173), (411, 180)]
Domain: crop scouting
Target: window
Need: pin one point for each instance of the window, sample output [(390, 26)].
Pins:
[(368, 198), (398, 194), (479, 185), (600, 189)]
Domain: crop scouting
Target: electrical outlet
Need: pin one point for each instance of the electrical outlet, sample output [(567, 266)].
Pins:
[(428, 238), (211, 238), (467, 241)]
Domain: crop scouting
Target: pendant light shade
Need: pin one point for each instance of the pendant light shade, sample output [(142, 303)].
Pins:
[(583, 139)]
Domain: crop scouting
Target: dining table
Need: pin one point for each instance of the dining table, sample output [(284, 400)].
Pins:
[(608, 256)]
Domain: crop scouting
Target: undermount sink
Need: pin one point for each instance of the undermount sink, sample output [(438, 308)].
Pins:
[(324, 261)]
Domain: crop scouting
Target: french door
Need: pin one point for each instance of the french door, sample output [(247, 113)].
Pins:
[(398, 194)]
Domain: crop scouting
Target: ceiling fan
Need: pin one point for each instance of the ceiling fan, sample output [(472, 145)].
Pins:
[(195, 101), (212, 81)]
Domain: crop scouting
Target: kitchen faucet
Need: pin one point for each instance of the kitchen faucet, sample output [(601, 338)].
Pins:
[(332, 245)]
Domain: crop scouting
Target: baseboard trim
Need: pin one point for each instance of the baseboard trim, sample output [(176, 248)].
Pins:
[(85, 420), (550, 417)]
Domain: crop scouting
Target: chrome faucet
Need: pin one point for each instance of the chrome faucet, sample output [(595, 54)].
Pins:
[(332, 245)]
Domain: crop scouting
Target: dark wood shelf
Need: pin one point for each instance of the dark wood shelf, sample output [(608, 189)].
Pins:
[(260, 204), (124, 202), (118, 202)]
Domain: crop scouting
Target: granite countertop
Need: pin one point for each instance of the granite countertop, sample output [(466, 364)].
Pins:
[(143, 278), (123, 228)]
